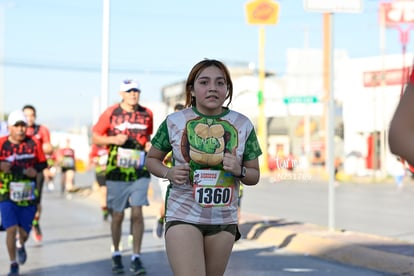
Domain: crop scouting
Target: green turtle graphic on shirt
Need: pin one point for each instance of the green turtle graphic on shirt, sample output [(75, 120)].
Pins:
[(207, 141)]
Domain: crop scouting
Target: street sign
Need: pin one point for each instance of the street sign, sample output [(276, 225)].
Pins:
[(262, 12), (300, 99), (334, 6), (398, 12)]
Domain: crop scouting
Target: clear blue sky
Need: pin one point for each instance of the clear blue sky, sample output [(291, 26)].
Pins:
[(52, 48)]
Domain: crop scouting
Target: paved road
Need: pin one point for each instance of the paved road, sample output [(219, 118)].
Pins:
[(379, 208), (77, 242)]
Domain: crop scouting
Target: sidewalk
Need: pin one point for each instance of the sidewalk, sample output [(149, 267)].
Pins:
[(351, 248)]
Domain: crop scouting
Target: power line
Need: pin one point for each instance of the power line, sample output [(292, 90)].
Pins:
[(88, 69)]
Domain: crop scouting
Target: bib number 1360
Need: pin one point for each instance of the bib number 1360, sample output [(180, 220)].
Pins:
[(213, 196)]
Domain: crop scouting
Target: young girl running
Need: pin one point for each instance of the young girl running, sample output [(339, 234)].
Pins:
[(214, 149)]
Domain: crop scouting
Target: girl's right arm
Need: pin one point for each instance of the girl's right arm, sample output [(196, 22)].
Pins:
[(154, 163)]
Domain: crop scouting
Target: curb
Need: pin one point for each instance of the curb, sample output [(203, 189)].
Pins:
[(319, 244)]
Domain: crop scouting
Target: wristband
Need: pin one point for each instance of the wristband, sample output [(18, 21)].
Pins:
[(243, 171)]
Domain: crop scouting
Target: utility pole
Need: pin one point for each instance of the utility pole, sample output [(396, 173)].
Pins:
[(384, 126), (306, 123), (328, 8), (105, 54), (2, 29), (329, 114)]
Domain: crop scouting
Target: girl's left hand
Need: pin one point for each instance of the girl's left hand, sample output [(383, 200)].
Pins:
[(230, 163)]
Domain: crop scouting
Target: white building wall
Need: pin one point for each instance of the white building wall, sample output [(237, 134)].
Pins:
[(367, 109), (245, 99)]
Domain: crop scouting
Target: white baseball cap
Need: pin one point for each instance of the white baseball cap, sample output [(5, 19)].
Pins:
[(128, 85), (15, 117)]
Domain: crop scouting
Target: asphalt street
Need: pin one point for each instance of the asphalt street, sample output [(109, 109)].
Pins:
[(360, 205)]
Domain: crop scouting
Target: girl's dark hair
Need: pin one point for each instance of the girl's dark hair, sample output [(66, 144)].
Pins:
[(195, 72)]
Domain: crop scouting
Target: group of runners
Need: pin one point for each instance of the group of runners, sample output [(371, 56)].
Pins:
[(214, 150), (217, 142), (28, 160)]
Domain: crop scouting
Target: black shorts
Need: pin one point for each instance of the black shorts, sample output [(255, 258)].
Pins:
[(100, 178), (65, 169), (209, 229)]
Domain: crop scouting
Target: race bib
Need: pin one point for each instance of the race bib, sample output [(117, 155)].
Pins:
[(20, 191), (68, 162), (213, 188), (130, 158)]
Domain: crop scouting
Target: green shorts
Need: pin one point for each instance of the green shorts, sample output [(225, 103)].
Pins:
[(209, 229)]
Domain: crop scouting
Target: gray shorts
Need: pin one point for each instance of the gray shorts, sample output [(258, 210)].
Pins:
[(122, 194)]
